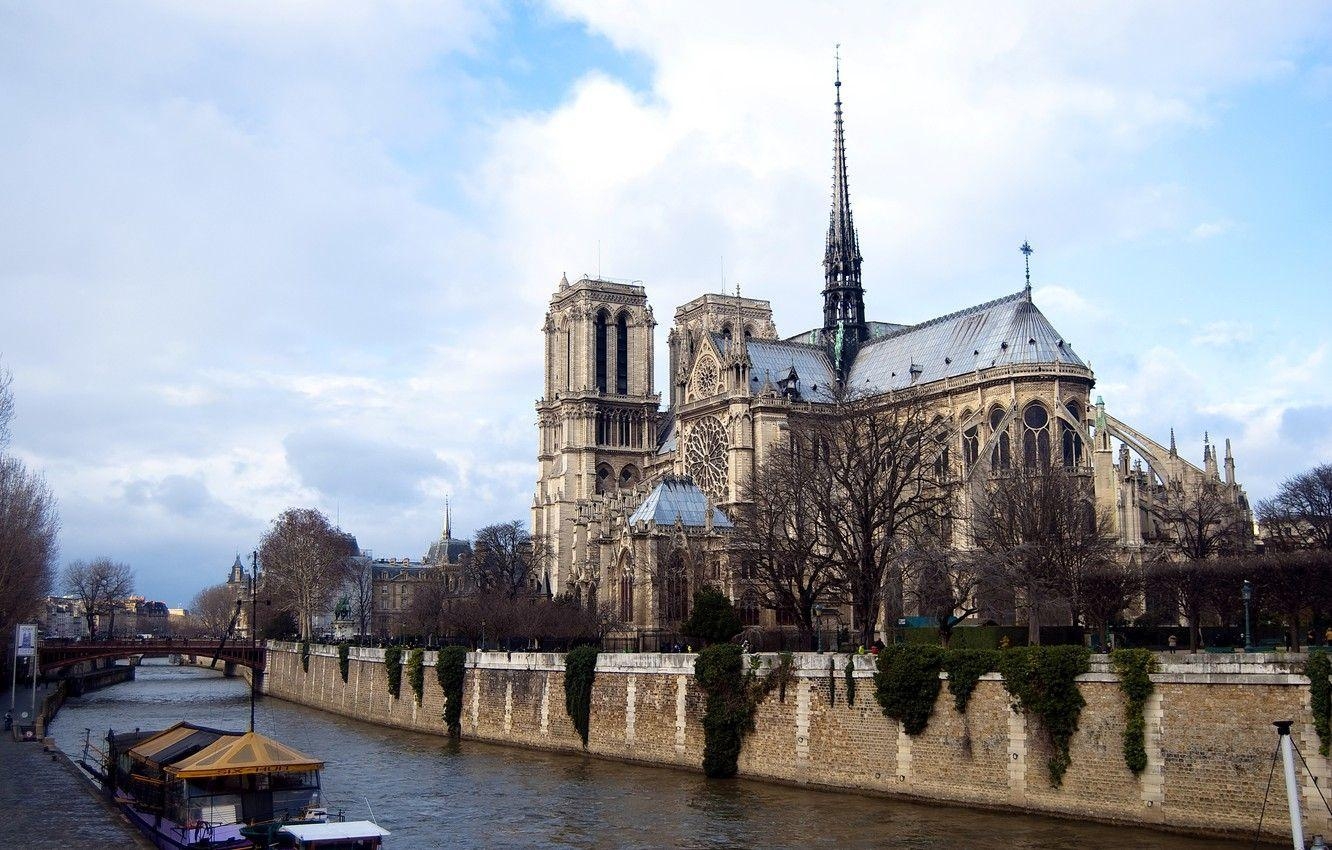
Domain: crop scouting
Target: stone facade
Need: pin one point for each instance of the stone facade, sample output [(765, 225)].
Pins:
[(1209, 734)]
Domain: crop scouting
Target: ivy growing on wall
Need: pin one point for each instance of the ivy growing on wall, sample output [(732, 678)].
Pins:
[(449, 669), (393, 669), (1134, 667), (580, 668), (850, 681), (728, 712), (907, 683), (1042, 680), (965, 668), (344, 660), (416, 673), (1317, 668), (305, 655)]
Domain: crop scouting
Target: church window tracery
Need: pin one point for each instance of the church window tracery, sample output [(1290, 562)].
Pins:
[(603, 477), (626, 595), (970, 443), (1035, 436), (674, 604), (749, 609), (705, 456), (1070, 439)]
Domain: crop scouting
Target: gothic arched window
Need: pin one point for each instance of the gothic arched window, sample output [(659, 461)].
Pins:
[(749, 609), (622, 354), (1070, 438), (1001, 456), (604, 479), (628, 475), (674, 601), (1035, 436), (941, 462), (600, 343), (626, 596)]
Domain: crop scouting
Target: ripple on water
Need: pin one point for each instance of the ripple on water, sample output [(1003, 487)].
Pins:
[(432, 792)]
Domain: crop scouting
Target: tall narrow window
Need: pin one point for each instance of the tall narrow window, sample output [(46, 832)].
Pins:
[(1035, 436), (568, 360), (626, 596), (622, 355), (1001, 457), (1071, 439), (970, 446), (601, 350), (674, 604)]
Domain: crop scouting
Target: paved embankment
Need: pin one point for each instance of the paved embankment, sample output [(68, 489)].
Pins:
[(45, 802)]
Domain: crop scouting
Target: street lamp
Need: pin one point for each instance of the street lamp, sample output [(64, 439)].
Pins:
[(1246, 593)]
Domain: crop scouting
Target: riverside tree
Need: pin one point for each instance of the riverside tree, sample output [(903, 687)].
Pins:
[(100, 585), (212, 609), (306, 560)]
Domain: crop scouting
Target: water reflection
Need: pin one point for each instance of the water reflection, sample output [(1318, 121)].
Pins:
[(432, 792)]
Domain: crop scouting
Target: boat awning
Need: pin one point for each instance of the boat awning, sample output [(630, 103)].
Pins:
[(171, 744), (312, 833), (235, 755)]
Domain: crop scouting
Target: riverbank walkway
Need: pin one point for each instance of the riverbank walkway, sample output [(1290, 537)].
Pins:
[(46, 804)]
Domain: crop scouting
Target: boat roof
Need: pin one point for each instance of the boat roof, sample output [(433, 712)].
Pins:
[(170, 745), (232, 755), (351, 829)]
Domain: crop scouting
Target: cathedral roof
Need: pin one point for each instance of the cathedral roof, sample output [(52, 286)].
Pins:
[(678, 497), (773, 360), (1006, 331), (447, 549)]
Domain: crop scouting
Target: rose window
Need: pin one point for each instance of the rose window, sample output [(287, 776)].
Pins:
[(705, 457)]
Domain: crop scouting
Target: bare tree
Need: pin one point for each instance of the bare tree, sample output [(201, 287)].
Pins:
[(1106, 590), (777, 540), (1040, 526), (100, 585), (1200, 524), (945, 583), (506, 559), (6, 404), (213, 608), (879, 480), (305, 561), (360, 590), (1299, 516), (28, 528)]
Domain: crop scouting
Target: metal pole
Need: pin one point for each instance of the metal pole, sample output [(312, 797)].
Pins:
[(13, 684), (32, 660), (1292, 787), (254, 654)]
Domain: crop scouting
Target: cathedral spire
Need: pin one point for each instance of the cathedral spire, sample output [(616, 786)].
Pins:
[(843, 297), (448, 520)]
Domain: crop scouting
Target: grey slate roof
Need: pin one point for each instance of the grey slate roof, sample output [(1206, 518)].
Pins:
[(1006, 331), (678, 497), (448, 549), (817, 337), (772, 360)]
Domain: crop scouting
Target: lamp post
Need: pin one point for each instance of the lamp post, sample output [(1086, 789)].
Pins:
[(1246, 593)]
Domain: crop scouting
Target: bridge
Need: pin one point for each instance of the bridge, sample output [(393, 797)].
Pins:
[(52, 656)]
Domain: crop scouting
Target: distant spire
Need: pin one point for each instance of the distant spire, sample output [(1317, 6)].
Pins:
[(843, 296), (1027, 251), (448, 520), (1174, 450), (1230, 465)]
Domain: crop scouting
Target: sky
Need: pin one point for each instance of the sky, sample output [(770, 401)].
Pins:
[(263, 254)]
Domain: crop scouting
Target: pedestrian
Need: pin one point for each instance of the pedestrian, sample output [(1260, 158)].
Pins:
[(9, 720)]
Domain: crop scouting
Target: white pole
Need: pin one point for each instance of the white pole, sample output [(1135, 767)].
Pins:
[(1292, 787), (13, 684)]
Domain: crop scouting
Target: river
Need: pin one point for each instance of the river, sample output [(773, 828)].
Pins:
[(433, 793)]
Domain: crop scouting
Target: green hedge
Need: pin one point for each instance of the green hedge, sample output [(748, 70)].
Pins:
[(1134, 667), (1317, 669), (580, 669), (393, 669), (1042, 680), (450, 667), (344, 660), (416, 673), (965, 668)]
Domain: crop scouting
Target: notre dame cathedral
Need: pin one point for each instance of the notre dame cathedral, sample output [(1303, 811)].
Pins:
[(634, 501)]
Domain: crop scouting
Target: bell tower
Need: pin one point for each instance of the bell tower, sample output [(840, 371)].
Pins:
[(597, 421)]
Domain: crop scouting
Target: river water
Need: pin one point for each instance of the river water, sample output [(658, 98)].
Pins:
[(433, 793)]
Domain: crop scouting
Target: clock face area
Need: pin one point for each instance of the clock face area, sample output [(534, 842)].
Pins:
[(705, 378), (705, 457)]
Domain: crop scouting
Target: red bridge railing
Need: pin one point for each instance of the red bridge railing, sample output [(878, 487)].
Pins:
[(54, 656)]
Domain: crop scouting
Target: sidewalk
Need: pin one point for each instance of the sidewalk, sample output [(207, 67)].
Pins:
[(49, 805)]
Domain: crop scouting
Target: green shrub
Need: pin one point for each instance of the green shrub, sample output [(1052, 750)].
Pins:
[(965, 668), (580, 668), (1042, 680), (416, 673), (305, 655), (393, 669), (344, 660), (713, 618), (729, 707), (1134, 667), (1317, 669), (450, 667), (907, 683), (850, 681)]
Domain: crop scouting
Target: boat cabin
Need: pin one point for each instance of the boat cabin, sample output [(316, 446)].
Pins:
[(352, 835)]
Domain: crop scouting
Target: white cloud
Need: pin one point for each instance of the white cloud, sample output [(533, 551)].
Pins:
[(1210, 229), (1224, 333)]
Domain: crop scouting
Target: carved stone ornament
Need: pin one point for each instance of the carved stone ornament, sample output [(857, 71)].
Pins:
[(706, 376)]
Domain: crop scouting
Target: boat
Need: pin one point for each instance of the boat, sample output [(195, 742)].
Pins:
[(190, 786)]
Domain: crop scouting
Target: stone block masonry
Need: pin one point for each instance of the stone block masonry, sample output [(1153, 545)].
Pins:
[(1209, 736)]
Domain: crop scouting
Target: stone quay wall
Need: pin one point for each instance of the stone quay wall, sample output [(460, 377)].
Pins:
[(1209, 739)]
